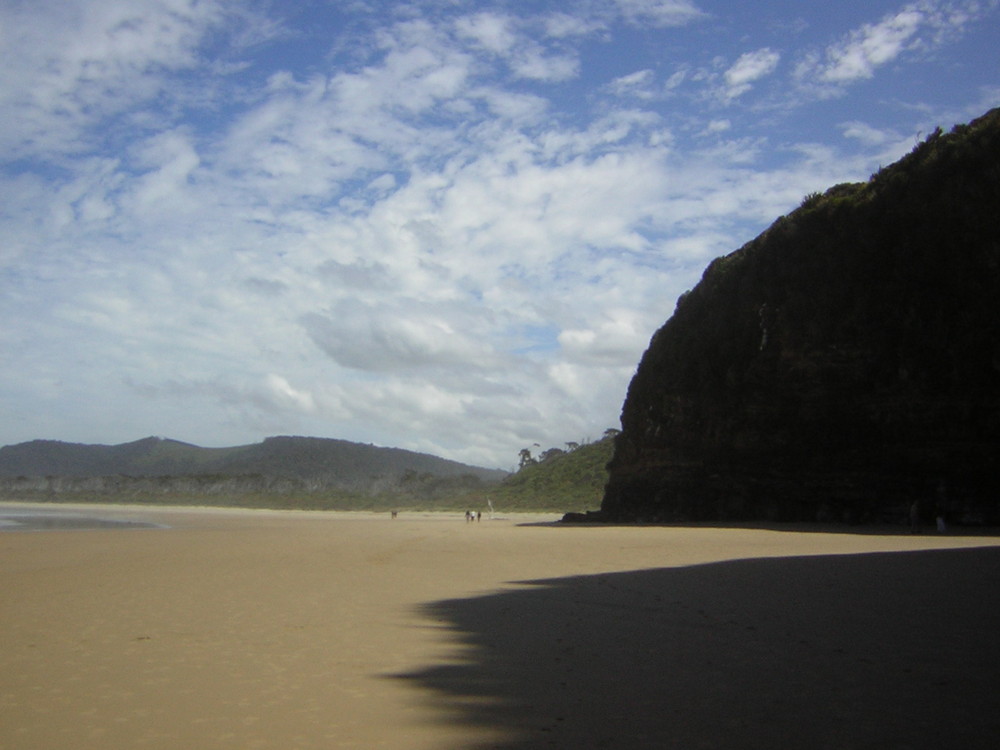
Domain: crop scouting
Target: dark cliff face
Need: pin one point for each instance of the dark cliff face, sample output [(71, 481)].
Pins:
[(840, 366)]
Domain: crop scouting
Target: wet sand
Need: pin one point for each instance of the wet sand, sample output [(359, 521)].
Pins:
[(257, 629)]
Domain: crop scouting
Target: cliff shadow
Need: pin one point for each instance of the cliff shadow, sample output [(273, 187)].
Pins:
[(925, 527), (886, 650)]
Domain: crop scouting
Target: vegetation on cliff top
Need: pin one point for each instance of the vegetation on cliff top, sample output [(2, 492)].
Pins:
[(570, 480)]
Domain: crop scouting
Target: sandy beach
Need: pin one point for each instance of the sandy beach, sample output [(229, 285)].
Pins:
[(132, 627)]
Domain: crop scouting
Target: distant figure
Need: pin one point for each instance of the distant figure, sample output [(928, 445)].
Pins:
[(468, 516), (915, 517), (941, 506), (395, 513), (479, 516)]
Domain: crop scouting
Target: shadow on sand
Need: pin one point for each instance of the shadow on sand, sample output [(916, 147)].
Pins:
[(888, 650)]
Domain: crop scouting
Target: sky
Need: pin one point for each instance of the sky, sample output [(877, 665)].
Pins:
[(448, 226)]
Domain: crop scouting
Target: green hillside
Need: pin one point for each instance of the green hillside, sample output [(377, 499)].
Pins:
[(302, 473), (570, 481)]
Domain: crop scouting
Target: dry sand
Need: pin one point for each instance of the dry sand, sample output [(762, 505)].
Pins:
[(243, 629)]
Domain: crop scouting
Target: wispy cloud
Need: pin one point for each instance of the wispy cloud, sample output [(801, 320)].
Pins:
[(870, 47), (917, 27), (638, 84), (490, 31), (749, 68), (68, 66), (660, 12), (525, 57)]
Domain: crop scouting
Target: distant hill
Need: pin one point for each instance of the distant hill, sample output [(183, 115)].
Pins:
[(840, 366), (310, 462)]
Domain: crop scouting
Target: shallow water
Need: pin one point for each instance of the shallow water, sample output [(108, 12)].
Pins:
[(62, 521)]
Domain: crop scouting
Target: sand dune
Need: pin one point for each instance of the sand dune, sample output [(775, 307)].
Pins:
[(249, 629)]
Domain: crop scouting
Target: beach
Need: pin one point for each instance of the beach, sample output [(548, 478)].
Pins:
[(147, 627)]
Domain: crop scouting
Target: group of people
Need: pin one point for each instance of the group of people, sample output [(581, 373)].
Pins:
[(470, 515)]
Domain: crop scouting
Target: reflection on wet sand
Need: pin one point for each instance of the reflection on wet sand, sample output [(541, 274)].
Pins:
[(57, 521)]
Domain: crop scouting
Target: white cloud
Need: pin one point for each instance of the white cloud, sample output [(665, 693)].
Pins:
[(637, 84), (660, 12), (675, 80), (917, 27), (865, 133), (501, 36), (400, 336), (71, 64), (718, 126), (537, 65), (384, 182), (749, 68), (489, 30), (564, 25), (286, 394), (170, 159), (621, 334), (869, 47)]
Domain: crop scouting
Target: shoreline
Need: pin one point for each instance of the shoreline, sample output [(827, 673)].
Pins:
[(543, 517), (8, 507)]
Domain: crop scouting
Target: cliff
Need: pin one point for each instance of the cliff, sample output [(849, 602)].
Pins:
[(841, 365)]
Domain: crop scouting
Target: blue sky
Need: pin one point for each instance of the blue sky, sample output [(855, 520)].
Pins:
[(446, 226)]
